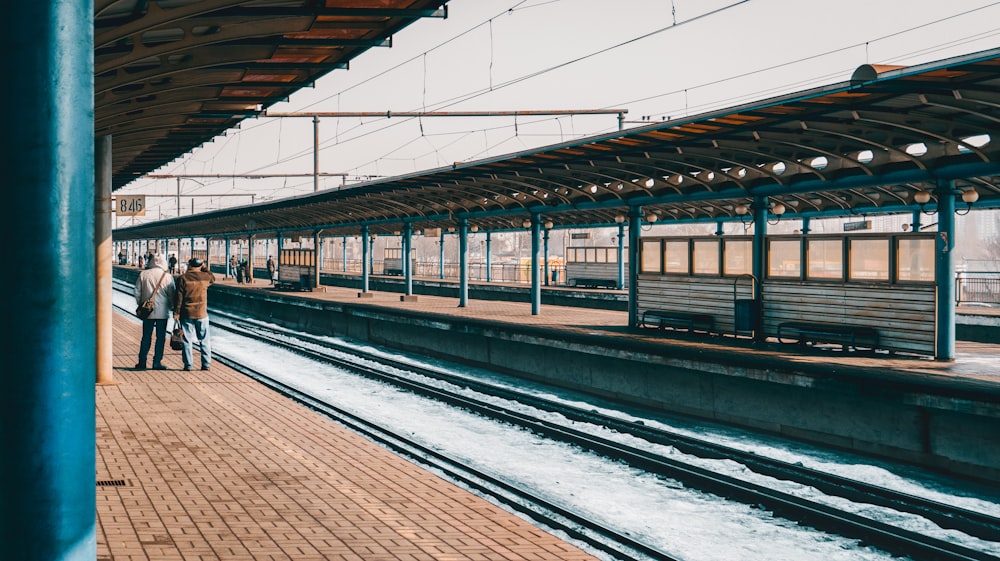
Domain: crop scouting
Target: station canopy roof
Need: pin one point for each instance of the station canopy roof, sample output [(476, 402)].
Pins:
[(864, 146), (170, 75)]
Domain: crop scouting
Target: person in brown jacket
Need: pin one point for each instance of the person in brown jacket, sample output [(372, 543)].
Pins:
[(191, 311)]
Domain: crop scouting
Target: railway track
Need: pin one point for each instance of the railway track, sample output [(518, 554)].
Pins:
[(897, 541)]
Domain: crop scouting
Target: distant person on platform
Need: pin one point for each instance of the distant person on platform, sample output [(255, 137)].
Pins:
[(155, 279), (173, 263), (270, 268), (232, 267), (191, 311)]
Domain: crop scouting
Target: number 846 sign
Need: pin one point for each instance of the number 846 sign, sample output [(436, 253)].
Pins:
[(130, 205)]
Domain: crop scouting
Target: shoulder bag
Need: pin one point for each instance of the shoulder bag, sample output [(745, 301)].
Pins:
[(146, 308)]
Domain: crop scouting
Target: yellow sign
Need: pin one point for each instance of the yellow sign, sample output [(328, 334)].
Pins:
[(130, 205)]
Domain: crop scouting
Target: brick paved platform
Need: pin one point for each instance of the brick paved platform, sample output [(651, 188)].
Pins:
[(212, 465)]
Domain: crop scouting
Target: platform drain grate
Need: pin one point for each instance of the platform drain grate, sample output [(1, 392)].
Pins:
[(111, 483)]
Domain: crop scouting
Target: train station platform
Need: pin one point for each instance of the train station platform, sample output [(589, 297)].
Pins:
[(941, 415), (213, 465)]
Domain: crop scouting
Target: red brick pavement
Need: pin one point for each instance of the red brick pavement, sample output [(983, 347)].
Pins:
[(216, 466)]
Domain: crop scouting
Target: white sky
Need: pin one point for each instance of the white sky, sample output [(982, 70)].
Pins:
[(561, 54)]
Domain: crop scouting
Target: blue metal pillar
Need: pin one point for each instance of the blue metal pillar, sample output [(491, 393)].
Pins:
[(345, 254), (634, 218), (407, 264), (545, 258), (441, 256), (47, 428), (463, 263), (806, 226), (759, 235), (916, 221), (536, 287), (229, 272), (489, 267), (621, 255), (945, 271), (365, 257)]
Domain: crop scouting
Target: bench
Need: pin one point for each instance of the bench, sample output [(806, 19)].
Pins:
[(661, 319), (844, 335), (595, 283)]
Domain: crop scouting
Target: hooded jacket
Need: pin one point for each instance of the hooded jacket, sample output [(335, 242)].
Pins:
[(146, 284)]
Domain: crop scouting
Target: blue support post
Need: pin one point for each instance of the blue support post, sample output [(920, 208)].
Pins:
[(463, 262), (806, 226), (229, 272), (536, 287), (945, 271), (407, 264), (441, 256), (489, 267), (759, 236), (634, 218), (365, 256), (47, 432), (545, 258), (345, 254), (621, 254)]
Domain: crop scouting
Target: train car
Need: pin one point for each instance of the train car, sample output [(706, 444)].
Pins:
[(392, 262), (593, 267), (296, 269)]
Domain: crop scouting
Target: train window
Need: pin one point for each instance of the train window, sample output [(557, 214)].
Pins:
[(869, 259), (651, 256), (738, 257), (706, 257), (825, 259), (915, 259), (784, 259), (612, 253), (676, 257), (602, 255), (591, 255)]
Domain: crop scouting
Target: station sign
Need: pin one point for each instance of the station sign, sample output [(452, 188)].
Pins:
[(580, 236), (860, 225), (130, 205)]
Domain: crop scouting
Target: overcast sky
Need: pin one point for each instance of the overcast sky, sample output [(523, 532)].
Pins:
[(655, 58)]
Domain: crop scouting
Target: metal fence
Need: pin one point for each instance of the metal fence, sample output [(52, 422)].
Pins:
[(978, 287)]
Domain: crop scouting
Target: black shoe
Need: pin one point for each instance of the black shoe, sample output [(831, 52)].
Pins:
[(204, 368), (140, 366), (158, 366), (187, 368)]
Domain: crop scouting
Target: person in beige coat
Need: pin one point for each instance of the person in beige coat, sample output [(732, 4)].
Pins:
[(155, 275)]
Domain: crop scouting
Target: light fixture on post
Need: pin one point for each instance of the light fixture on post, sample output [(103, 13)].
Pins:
[(473, 228), (968, 197), (922, 198), (777, 209), (548, 225), (619, 219), (743, 211), (526, 223), (650, 219)]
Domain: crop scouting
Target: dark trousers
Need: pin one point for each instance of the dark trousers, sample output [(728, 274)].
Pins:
[(147, 335)]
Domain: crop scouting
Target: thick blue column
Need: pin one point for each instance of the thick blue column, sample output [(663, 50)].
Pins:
[(407, 264), (634, 217), (47, 429), (441, 256), (621, 255), (345, 254), (536, 287), (229, 272), (489, 263), (945, 271), (759, 237), (365, 257), (463, 262), (545, 257)]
